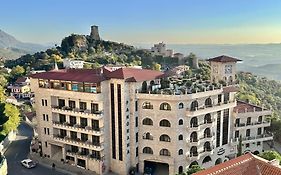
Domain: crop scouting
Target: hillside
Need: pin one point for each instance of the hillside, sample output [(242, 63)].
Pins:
[(11, 48), (261, 91), (95, 52)]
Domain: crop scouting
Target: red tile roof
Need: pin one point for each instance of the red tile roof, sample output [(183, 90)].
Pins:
[(242, 106), (21, 79), (78, 75), (224, 58), (230, 89), (98, 75), (247, 164)]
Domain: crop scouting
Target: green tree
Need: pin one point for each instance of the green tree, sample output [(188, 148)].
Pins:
[(12, 115), (56, 58), (3, 80), (156, 66), (194, 169), (270, 155), (17, 71)]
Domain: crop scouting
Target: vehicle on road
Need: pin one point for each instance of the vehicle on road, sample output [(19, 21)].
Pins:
[(28, 163)]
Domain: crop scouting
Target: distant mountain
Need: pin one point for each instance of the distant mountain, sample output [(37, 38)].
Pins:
[(11, 48)]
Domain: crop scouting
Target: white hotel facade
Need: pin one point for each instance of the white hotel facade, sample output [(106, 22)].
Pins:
[(104, 120)]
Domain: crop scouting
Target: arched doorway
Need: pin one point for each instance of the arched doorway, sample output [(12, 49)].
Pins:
[(206, 159)]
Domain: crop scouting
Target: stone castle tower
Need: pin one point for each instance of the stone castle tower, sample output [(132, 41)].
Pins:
[(95, 32)]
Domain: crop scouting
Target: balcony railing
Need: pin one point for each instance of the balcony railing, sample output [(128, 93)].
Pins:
[(77, 127), (204, 110), (77, 111), (252, 124), (79, 142), (84, 155)]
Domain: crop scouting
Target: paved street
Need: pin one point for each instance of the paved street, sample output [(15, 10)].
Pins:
[(19, 150)]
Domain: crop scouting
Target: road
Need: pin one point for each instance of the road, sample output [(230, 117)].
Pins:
[(19, 149)]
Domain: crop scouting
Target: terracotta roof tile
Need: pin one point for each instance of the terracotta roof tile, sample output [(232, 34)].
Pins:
[(98, 75), (247, 164), (224, 58), (244, 106)]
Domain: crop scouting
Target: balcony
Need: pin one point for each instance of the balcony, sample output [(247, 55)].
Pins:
[(205, 110), (83, 155), (78, 128), (252, 125), (208, 138), (206, 152), (193, 156), (77, 112), (78, 142), (258, 138), (194, 142)]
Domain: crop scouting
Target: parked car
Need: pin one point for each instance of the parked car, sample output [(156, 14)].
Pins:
[(28, 163)]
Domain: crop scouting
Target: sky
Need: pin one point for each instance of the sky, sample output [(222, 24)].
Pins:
[(145, 21)]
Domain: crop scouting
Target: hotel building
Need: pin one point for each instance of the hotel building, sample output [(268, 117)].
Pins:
[(112, 120)]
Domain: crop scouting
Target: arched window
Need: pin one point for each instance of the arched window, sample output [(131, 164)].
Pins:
[(147, 136), (180, 169), (165, 123), (207, 146), (147, 150), (207, 159), (165, 106), (194, 122), (193, 151), (218, 161), (207, 133), (165, 152), (180, 137), (207, 118), (180, 121), (147, 105), (165, 138), (147, 121), (193, 137), (208, 102), (180, 152), (181, 106), (194, 106)]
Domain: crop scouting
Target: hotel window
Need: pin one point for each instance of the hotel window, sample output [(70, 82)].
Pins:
[(259, 131), (137, 137), (136, 105), (249, 121), (72, 120), (247, 145), (236, 134), (61, 103), (62, 118), (165, 106), (248, 133), (147, 121), (73, 135), (165, 123), (260, 119), (84, 137), (180, 152), (71, 104), (258, 143), (82, 106), (180, 137), (74, 87), (80, 87), (46, 144), (181, 105), (165, 152), (137, 122), (147, 150), (180, 122), (137, 151), (83, 122), (147, 105), (94, 108)]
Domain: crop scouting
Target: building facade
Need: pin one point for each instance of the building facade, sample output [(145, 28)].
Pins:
[(112, 120)]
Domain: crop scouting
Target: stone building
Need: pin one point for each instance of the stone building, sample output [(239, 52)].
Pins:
[(110, 120)]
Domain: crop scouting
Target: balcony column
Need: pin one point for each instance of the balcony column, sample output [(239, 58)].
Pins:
[(67, 119)]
